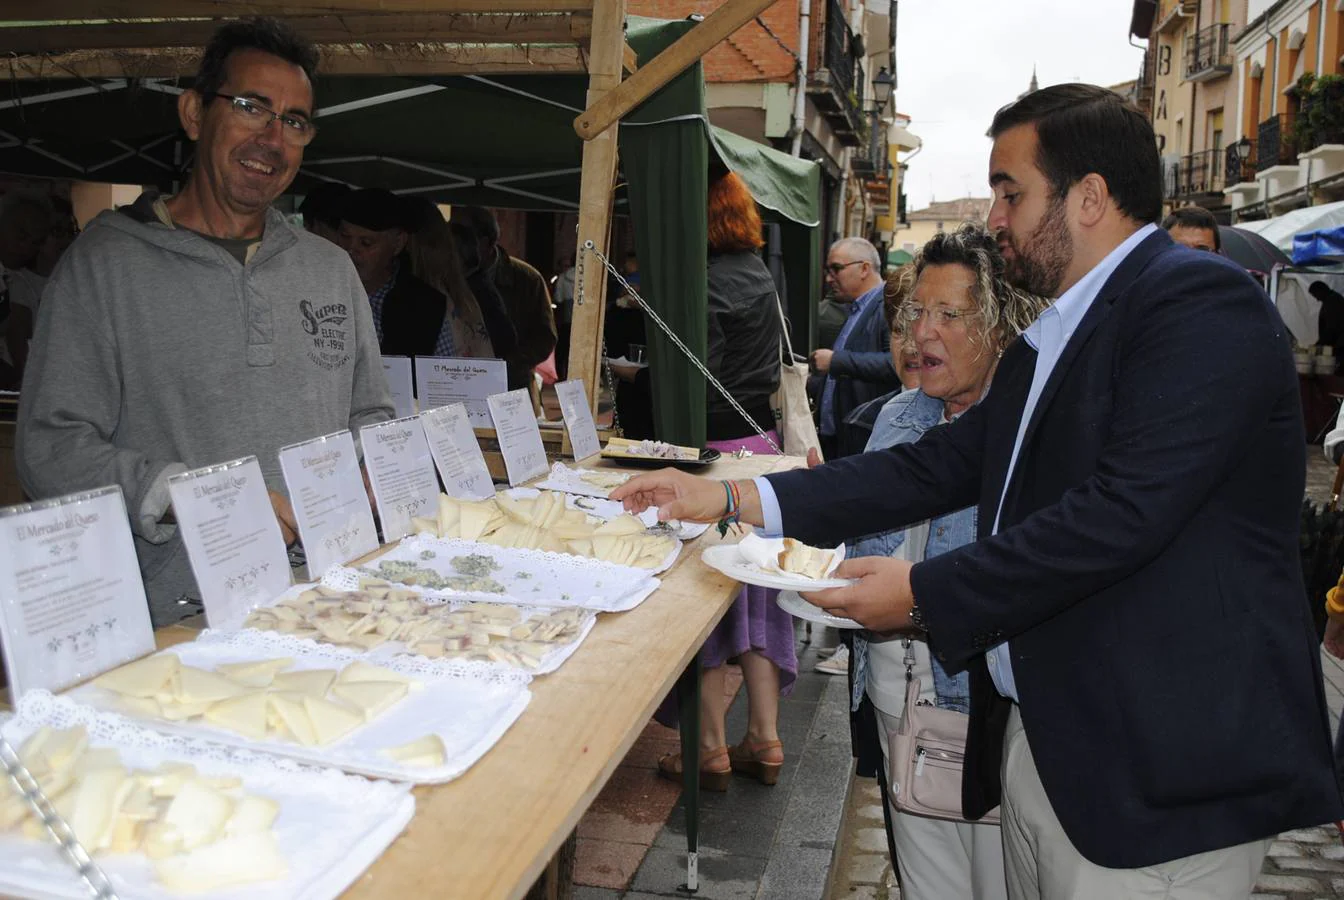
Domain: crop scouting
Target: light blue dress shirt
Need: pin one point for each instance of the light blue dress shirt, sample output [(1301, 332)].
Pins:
[(1049, 335)]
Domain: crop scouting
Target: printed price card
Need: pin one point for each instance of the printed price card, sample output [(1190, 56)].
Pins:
[(398, 372), (72, 604), (232, 537), (401, 471), (330, 504), (457, 453), (578, 419), (519, 437), (444, 380)]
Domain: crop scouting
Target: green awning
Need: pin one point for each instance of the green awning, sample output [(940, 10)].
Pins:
[(502, 141)]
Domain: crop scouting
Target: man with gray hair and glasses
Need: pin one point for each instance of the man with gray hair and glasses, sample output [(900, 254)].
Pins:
[(194, 329), (858, 368)]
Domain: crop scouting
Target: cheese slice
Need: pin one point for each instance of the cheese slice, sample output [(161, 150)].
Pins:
[(371, 697), (62, 748), (310, 682), (252, 813), (179, 710), (362, 671), (520, 511), (97, 798), (425, 525), (198, 686), (291, 712), (199, 813), (475, 519), (142, 678), (450, 513), (146, 707), (427, 751), (622, 524), (239, 859), (255, 674), (331, 721), (245, 715)]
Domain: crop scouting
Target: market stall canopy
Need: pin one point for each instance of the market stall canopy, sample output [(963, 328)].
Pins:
[(1281, 230), (502, 140), (1312, 247)]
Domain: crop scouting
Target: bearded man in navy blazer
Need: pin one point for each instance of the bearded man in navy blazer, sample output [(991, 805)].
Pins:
[(1146, 693)]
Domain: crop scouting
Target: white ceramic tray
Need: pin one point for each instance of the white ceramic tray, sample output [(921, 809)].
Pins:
[(330, 829), (468, 705)]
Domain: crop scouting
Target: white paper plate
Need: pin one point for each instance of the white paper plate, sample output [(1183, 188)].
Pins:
[(330, 829), (730, 561), (796, 606)]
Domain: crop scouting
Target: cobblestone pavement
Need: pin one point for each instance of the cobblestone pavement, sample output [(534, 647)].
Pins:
[(1301, 865)]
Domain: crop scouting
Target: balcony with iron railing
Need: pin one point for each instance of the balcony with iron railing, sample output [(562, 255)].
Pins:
[(1197, 175), (1208, 53), (837, 87), (1320, 121), (1276, 144), (1239, 163)]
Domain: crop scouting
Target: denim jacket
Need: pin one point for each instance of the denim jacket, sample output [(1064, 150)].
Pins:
[(903, 419)]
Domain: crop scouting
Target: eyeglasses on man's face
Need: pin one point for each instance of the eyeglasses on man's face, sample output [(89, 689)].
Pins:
[(837, 268), (298, 131), (909, 314)]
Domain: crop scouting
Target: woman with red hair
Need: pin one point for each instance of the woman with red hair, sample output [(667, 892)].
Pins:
[(744, 355)]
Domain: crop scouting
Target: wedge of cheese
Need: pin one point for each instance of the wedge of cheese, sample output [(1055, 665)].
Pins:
[(290, 711), (800, 559), (427, 751), (310, 682), (476, 518), (257, 673), (142, 678), (449, 515), (98, 796), (331, 721), (621, 525), (239, 859), (199, 813), (245, 715), (200, 686), (362, 671), (425, 525), (252, 813), (370, 697)]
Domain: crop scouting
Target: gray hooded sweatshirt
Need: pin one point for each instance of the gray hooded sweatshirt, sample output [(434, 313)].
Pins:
[(156, 351)]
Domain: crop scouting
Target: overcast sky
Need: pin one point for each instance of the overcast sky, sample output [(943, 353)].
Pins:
[(958, 62)]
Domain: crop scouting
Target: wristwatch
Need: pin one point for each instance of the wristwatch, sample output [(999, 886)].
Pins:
[(917, 617)]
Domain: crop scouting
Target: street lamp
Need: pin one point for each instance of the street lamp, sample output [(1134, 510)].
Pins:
[(883, 83)]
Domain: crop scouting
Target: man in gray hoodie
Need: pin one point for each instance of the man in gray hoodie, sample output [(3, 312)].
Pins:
[(189, 330)]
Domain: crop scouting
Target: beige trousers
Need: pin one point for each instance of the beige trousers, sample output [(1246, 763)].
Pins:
[(943, 860), (1041, 861)]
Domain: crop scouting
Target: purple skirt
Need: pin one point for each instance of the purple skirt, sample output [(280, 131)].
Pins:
[(753, 622)]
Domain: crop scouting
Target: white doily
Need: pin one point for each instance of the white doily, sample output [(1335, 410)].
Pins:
[(331, 826), (468, 706), (531, 577)]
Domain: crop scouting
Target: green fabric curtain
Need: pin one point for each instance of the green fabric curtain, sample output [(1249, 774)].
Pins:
[(670, 215)]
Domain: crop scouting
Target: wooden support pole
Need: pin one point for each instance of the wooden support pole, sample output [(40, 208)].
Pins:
[(666, 65), (598, 178)]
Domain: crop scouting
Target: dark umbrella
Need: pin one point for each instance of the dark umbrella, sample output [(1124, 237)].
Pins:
[(1250, 251)]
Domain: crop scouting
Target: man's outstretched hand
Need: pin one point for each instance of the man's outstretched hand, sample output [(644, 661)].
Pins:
[(881, 598)]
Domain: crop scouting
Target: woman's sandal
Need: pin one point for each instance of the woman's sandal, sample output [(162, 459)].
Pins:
[(715, 769), (746, 759)]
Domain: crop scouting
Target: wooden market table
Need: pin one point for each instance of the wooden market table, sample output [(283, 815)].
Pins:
[(491, 832)]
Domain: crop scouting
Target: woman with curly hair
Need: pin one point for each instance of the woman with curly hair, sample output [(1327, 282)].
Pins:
[(743, 354)]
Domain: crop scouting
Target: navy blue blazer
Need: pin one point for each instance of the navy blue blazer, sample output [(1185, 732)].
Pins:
[(862, 370), (1146, 567)]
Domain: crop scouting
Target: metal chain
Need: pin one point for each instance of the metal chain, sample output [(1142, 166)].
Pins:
[(686, 351), (70, 847), (606, 363)]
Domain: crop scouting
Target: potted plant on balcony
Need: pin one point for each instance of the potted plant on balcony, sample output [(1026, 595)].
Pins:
[(1321, 120)]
